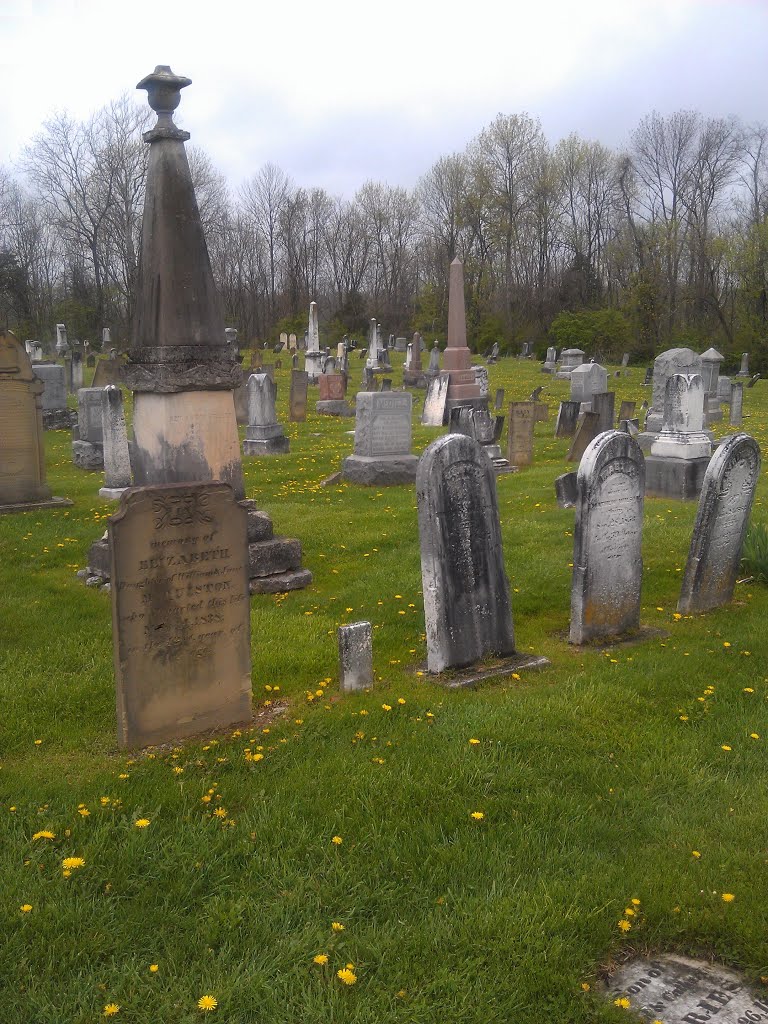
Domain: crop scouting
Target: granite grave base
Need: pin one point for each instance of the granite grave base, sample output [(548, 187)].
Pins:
[(674, 478), (334, 407), (267, 446), (473, 675), (86, 455), (380, 470)]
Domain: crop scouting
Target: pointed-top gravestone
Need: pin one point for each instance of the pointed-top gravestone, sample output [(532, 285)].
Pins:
[(457, 360), (721, 524), (607, 563), (180, 367), (263, 435), (467, 603)]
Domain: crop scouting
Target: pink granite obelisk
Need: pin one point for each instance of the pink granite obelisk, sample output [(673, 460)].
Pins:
[(457, 359)]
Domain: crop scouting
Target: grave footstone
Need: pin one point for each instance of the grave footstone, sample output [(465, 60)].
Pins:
[(587, 429), (355, 656), (263, 435), (22, 454), (520, 433), (567, 419), (607, 560), (180, 612), (721, 524), (117, 458), (297, 398), (382, 453), (467, 603)]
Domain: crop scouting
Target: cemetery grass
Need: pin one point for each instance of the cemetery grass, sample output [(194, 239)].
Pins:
[(488, 852)]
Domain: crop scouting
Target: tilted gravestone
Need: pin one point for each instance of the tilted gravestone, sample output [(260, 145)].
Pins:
[(180, 612), (607, 561), (586, 431), (567, 418), (22, 454), (467, 604), (297, 399), (721, 524), (433, 413)]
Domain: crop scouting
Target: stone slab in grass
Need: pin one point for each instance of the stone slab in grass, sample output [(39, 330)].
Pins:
[(471, 677), (677, 990)]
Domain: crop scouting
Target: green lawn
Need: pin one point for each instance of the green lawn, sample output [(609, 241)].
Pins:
[(636, 773)]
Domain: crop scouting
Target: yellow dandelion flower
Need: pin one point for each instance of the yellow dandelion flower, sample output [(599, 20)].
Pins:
[(337, 840), (725, 747), (728, 897), (154, 968), (635, 902), (754, 736), (386, 707), (25, 908), (622, 1001), (337, 926), (71, 863), (477, 815), (220, 812), (45, 834), (207, 1003), (400, 700), (695, 853), (321, 958), (83, 812), (585, 986), (347, 976), (110, 1010), (473, 743), (141, 822), (624, 925)]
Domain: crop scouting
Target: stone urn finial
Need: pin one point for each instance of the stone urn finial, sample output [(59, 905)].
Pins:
[(164, 95)]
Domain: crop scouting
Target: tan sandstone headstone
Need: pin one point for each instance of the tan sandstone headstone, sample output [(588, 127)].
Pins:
[(22, 462), (180, 612)]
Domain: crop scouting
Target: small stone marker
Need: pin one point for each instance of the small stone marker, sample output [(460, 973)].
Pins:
[(721, 524), (735, 414), (603, 405), (263, 435), (88, 446), (648, 379), (499, 399), (607, 560), (626, 410), (108, 371), (586, 432), (433, 413), (297, 399), (567, 489), (355, 656), (117, 459), (743, 369), (625, 360), (180, 612), (677, 990), (333, 388), (520, 433), (382, 440), (467, 604), (567, 419)]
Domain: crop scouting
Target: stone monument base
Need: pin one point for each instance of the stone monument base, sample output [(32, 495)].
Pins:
[(674, 478), (380, 470), (266, 446), (59, 419), (334, 407), (87, 456), (112, 493), (416, 380), (28, 506)]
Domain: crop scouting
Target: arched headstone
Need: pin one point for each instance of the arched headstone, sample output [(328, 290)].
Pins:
[(467, 604), (607, 560), (721, 523)]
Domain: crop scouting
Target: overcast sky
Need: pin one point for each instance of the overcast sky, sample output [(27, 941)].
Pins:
[(337, 92)]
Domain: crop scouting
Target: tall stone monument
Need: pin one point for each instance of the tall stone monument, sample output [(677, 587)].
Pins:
[(116, 452), (721, 524), (680, 453), (607, 561), (467, 602), (313, 357), (463, 388), (179, 365), (22, 453)]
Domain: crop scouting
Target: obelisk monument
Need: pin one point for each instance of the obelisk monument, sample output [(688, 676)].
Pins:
[(463, 388)]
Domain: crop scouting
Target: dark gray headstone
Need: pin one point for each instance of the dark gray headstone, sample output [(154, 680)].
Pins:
[(467, 604), (603, 405), (499, 400), (567, 418), (607, 560), (736, 411), (586, 432), (721, 524), (566, 489)]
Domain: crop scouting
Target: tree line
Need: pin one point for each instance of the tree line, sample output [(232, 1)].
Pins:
[(664, 242)]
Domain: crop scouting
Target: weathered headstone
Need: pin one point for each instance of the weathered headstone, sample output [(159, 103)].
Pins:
[(743, 369), (240, 397), (587, 429), (498, 402), (433, 413), (180, 612), (550, 363), (603, 405), (313, 358), (56, 415), (520, 433), (481, 377), (570, 358), (724, 389), (666, 365), (382, 440), (62, 345), (711, 360), (117, 458), (680, 453), (108, 371), (648, 379), (626, 410), (434, 361), (493, 355), (607, 560), (467, 604), (22, 452), (332, 401), (263, 435), (721, 524), (587, 380), (567, 489), (625, 360), (297, 398), (567, 418), (401, 344), (735, 414), (355, 656), (677, 990), (88, 446)]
